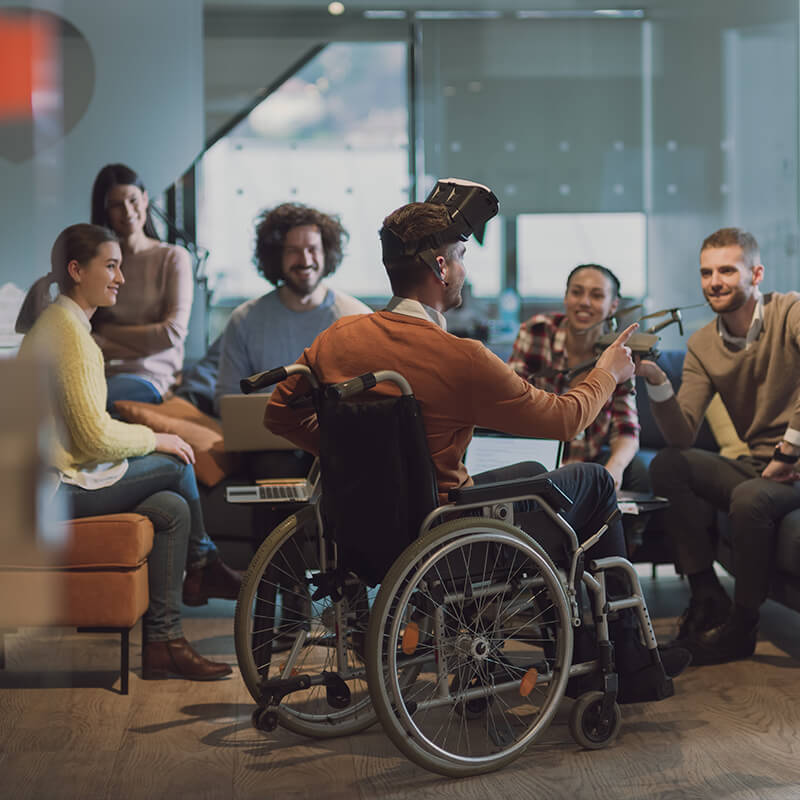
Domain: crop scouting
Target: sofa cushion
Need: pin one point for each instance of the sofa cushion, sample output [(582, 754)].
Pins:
[(202, 432), (111, 541)]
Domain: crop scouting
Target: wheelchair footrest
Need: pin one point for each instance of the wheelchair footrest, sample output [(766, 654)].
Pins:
[(274, 690), (540, 485)]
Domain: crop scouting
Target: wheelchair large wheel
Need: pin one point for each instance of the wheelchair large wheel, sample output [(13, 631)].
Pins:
[(479, 607), (281, 632)]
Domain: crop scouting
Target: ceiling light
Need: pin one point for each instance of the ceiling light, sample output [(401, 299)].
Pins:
[(375, 14), (458, 14), (606, 13), (336, 8)]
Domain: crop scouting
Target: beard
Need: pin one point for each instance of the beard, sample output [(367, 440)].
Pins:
[(300, 286), (726, 303)]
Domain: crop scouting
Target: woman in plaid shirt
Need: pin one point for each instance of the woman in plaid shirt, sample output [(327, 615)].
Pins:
[(549, 345)]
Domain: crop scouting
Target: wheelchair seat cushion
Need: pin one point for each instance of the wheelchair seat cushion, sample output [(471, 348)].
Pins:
[(495, 492)]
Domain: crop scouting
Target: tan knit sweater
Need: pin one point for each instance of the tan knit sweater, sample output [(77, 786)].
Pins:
[(88, 434), (458, 383), (143, 333), (759, 386)]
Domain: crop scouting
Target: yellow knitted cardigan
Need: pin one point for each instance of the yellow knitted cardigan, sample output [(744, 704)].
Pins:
[(88, 434)]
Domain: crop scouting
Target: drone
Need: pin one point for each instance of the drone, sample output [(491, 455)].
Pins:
[(643, 344)]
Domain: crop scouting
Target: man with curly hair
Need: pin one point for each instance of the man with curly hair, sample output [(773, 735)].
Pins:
[(296, 247)]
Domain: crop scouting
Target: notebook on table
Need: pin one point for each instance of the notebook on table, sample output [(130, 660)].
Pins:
[(243, 424), (277, 490), (492, 450)]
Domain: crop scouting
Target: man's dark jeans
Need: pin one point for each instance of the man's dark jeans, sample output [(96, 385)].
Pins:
[(698, 482)]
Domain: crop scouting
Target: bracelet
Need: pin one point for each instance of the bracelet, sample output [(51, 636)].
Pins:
[(779, 455)]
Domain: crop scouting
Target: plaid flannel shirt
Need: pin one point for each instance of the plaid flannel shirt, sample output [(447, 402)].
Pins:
[(541, 347)]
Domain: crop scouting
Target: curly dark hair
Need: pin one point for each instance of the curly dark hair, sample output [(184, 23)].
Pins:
[(274, 224)]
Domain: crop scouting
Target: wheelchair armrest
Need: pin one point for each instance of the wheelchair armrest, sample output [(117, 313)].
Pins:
[(540, 485)]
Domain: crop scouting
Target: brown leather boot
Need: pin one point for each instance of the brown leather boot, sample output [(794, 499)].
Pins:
[(213, 580), (178, 657)]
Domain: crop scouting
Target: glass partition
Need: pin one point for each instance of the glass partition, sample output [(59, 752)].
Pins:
[(623, 139), (335, 137)]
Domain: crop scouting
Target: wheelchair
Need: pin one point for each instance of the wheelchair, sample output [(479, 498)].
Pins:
[(447, 623)]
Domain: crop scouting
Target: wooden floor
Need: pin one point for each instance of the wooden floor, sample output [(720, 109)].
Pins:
[(731, 731)]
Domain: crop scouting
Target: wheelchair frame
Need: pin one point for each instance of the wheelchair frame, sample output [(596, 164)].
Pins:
[(406, 652)]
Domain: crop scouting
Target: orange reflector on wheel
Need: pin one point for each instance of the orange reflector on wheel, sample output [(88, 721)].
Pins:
[(410, 638), (528, 682)]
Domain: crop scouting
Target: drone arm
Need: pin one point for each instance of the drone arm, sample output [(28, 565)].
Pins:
[(675, 318)]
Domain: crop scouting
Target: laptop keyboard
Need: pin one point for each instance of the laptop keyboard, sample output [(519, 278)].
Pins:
[(297, 492), (282, 492)]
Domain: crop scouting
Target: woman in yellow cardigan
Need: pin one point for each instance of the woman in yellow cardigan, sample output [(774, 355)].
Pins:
[(107, 466)]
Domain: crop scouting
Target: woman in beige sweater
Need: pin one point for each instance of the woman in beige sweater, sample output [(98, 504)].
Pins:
[(142, 335), (107, 466)]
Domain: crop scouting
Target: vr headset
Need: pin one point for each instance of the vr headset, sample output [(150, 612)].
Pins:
[(469, 205)]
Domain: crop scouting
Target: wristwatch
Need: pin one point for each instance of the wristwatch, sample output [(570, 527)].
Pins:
[(779, 455)]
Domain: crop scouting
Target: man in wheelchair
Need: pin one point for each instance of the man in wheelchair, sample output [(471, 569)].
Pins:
[(460, 384)]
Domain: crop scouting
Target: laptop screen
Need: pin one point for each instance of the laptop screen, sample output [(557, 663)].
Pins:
[(491, 451)]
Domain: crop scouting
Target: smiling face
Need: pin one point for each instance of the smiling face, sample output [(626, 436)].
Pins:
[(726, 281), (97, 281), (303, 260), (589, 299), (126, 205)]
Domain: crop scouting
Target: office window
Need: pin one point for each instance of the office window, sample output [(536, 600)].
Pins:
[(550, 245), (484, 262), (335, 137)]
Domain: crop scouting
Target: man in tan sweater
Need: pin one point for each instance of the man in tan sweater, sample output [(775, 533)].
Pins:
[(750, 354), (458, 384)]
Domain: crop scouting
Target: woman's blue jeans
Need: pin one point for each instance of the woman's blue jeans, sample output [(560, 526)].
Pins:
[(130, 387), (164, 489)]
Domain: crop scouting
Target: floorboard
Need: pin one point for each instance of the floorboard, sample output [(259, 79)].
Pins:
[(731, 731)]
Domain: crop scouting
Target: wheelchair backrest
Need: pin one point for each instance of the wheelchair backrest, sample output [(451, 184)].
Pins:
[(378, 478)]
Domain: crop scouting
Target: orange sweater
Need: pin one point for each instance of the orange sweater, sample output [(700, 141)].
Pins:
[(458, 384)]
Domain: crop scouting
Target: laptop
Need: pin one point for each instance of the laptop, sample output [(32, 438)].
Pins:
[(277, 490), (243, 424), (640, 502), (491, 450)]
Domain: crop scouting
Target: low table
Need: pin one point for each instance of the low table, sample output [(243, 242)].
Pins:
[(637, 508)]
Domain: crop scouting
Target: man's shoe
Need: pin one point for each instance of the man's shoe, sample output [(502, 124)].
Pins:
[(674, 659), (726, 642), (216, 579), (645, 685), (178, 657), (704, 613)]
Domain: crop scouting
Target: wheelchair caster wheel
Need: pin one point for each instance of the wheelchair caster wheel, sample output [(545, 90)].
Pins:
[(588, 726), (264, 720)]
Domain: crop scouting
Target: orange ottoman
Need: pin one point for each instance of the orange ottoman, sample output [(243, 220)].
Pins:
[(97, 583)]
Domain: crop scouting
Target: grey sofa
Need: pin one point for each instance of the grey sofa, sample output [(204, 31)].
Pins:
[(656, 546)]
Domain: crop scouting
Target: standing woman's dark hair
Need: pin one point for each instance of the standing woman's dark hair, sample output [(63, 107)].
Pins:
[(75, 243), (110, 176)]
